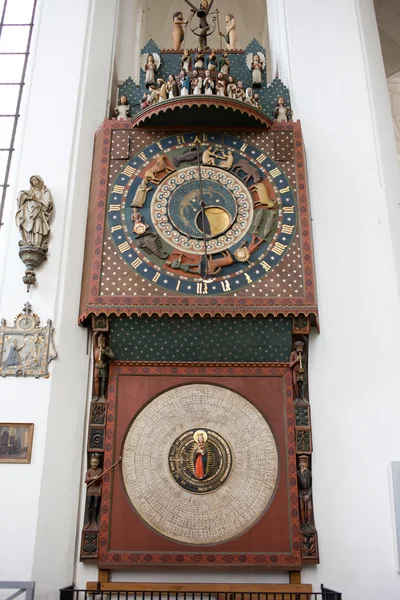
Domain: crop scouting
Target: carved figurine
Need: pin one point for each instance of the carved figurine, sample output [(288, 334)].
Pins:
[(216, 264), (199, 59), (228, 160), (160, 167), (35, 207), (139, 224), (186, 61), (212, 61), (263, 197), (256, 64), (196, 84), (209, 157), (102, 355), (185, 85), (141, 193), (151, 243), (208, 84), (202, 12), (270, 224), (231, 88), (123, 109), (177, 32), (249, 96), (161, 89), (185, 267), (144, 103), (220, 85), (250, 172), (243, 253), (172, 87), (304, 480), (283, 113), (188, 156), (230, 34), (240, 93), (256, 101), (296, 363), (224, 64), (152, 97), (150, 68), (93, 480)]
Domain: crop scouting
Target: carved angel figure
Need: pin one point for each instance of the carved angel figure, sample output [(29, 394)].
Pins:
[(35, 207), (256, 64), (150, 64)]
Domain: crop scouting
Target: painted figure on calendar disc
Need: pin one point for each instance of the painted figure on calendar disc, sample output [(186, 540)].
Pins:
[(200, 454)]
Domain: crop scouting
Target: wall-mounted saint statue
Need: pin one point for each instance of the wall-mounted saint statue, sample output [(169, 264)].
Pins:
[(35, 208)]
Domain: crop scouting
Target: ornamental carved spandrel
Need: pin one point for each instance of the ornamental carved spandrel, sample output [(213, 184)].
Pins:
[(26, 349)]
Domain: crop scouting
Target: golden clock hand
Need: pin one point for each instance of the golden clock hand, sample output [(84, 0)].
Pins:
[(203, 215)]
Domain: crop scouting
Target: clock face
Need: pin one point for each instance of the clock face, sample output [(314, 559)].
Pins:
[(202, 214)]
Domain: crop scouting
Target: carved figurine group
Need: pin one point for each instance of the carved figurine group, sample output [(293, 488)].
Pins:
[(204, 73)]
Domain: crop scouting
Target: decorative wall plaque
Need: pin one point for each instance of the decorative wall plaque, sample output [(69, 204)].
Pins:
[(26, 349)]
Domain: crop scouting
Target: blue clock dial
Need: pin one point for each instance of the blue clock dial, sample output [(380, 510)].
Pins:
[(202, 214)]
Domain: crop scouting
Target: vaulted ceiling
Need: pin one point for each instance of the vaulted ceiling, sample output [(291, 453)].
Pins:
[(388, 18)]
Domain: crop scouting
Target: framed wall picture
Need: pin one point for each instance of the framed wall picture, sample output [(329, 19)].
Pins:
[(16, 442)]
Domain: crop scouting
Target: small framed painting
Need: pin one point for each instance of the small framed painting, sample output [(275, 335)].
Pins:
[(16, 442)]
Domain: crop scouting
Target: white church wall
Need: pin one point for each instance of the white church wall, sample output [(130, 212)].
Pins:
[(353, 362), (67, 100), (394, 92)]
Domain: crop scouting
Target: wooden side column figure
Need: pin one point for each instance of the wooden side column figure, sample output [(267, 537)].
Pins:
[(94, 474), (298, 364)]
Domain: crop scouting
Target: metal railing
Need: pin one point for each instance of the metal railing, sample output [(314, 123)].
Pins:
[(70, 593), (27, 587)]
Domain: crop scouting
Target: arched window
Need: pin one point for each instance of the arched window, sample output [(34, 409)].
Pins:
[(16, 25)]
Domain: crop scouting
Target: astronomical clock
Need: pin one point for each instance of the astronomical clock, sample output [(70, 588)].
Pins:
[(199, 288)]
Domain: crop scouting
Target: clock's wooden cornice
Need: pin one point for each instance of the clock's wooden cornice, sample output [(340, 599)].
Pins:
[(207, 109)]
